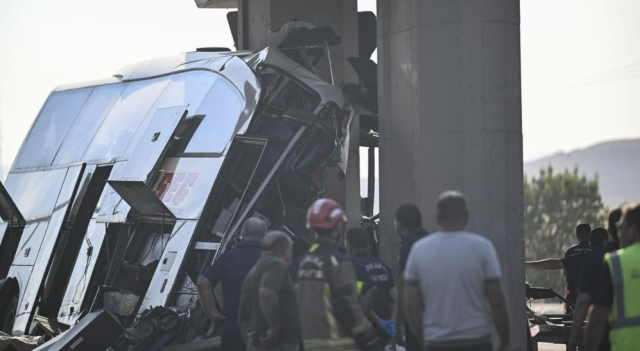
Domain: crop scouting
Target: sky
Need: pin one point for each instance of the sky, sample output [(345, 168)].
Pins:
[(580, 67)]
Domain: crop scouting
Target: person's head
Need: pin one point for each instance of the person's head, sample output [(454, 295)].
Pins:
[(629, 227), (277, 243), (253, 229), (408, 219), (327, 218), (452, 213), (583, 231), (612, 223), (598, 237), (357, 240)]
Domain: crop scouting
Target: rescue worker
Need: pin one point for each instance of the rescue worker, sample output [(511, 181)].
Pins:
[(615, 297), (409, 228), (268, 315), (230, 270), (384, 311), (583, 232), (572, 263), (330, 313), (590, 269)]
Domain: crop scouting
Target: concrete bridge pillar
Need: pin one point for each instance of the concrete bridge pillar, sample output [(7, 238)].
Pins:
[(450, 118)]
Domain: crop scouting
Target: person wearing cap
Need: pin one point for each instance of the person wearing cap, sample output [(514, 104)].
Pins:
[(330, 312)]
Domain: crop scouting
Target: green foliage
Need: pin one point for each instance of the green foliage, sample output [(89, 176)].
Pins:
[(554, 204)]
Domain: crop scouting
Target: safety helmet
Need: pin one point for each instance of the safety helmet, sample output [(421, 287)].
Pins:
[(325, 213)]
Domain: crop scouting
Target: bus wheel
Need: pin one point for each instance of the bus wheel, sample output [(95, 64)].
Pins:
[(8, 315)]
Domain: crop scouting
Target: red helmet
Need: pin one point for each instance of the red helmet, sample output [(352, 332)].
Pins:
[(325, 213)]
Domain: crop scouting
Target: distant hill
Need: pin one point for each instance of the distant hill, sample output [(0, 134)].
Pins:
[(617, 164)]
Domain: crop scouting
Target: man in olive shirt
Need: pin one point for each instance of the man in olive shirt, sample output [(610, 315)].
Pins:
[(268, 316)]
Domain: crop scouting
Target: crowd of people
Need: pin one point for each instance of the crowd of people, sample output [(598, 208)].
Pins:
[(603, 275), (338, 296)]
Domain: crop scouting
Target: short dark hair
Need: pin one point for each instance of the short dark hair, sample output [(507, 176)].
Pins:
[(632, 215), (598, 236), (409, 216), (275, 241), (357, 238), (583, 231), (451, 206), (612, 222)]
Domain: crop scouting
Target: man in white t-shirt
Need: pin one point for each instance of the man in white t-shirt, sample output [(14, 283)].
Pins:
[(453, 293)]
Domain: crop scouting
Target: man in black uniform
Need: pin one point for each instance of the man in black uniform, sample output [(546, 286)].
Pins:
[(583, 231), (573, 275), (590, 269), (571, 263), (409, 228), (386, 303), (230, 270)]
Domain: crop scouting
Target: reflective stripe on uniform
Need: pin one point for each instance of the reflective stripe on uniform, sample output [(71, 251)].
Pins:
[(334, 329), (620, 320), (335, 344)]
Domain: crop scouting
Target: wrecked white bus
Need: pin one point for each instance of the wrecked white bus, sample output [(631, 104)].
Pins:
[(125, 189)]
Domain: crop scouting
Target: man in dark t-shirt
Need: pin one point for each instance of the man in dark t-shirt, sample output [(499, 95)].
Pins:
[(571, 263), (583, 231), (592, 265), (385, 306), (409, 228), (230, 269), (269, 316)]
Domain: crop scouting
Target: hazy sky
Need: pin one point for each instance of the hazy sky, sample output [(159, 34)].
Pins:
[(580, 60)]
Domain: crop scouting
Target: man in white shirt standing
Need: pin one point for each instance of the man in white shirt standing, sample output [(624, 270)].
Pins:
[(452, 291)]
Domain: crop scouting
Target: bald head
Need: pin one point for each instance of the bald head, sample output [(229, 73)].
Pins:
[(277, 243), (253, 229), (452, 211)]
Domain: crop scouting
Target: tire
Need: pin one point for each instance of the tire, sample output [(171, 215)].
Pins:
[(8, 315)]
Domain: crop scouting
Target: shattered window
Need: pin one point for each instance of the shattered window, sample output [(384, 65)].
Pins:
[(48, 132), (221, 109), (296, 97)]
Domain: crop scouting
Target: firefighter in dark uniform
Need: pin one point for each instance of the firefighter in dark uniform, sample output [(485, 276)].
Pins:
[(330, 312)]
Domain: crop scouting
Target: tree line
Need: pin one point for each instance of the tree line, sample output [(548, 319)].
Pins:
[(554, 204)]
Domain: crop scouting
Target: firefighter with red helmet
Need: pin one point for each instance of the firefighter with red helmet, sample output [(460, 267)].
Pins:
[(331, 314)]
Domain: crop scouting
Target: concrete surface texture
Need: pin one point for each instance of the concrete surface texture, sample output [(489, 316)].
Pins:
[(258, 18), (450, 118)]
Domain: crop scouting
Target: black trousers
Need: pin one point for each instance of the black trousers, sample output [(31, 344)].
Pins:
[(413, 343), (232, 342)]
